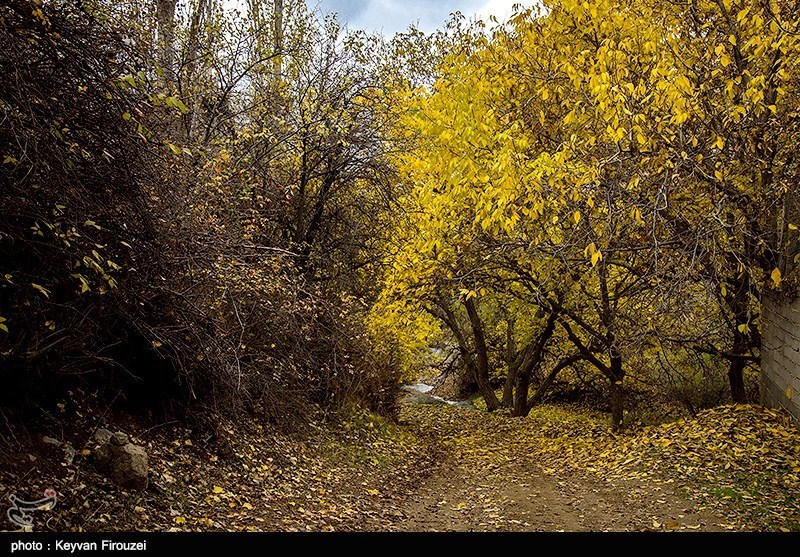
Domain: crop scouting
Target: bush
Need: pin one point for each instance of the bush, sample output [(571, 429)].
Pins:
[(74, 220), (130, 268)]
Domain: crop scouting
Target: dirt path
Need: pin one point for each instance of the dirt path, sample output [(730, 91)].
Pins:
[(468, 491), (518, 497)]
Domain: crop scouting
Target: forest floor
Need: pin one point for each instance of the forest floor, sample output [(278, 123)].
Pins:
[(439, 468)]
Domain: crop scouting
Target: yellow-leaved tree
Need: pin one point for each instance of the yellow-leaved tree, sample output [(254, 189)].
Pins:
[(595, 160)]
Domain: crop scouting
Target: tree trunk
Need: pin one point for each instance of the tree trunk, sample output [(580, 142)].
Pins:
[(305, 263), (736, 379), (481, 357), (617, 391), (508, 388), (614, 373), (741, 346), (538, 395), (617, 404), (513, 365), (521, 395), (165, 19), (534, 353), (278, 31), (188, 79), (746, 336)]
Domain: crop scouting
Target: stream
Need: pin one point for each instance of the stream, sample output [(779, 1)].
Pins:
[(418, 394)]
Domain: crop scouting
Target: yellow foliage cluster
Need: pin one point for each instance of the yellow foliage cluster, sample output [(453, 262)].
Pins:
[(587, 131)]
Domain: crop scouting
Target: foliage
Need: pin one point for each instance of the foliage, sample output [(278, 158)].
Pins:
[(76, 187), (244, 475), (599, 164), (183, 228)]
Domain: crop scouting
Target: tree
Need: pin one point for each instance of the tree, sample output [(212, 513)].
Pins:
[(577, 144), (532, 202), (739, 61)]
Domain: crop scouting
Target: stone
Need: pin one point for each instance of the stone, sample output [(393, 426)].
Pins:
[(102, 435), (780, 353), (67, 449), (122, 462), (119, 439), (69, 454)]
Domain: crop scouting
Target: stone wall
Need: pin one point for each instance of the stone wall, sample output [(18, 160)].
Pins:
[(780, 354)]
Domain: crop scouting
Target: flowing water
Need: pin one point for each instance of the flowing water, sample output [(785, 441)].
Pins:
[(418, 394)]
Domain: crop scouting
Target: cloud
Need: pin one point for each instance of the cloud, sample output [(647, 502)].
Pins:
[(347, 9), (500, 9), (390, 16)]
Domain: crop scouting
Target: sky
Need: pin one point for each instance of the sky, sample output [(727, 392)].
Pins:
[(390, 16)]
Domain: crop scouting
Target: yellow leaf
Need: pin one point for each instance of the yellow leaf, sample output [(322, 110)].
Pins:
[(742, 14), (776, 276), (789, 393), (41, 289), (218, 489), (372, 491), (180, 520), (596, 256), (576, 216)]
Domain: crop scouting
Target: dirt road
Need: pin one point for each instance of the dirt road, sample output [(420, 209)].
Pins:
[(494, 490)]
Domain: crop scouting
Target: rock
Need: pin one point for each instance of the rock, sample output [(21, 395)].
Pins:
[(102, 435), (69, 454), (119, 439), (67, 449), (122, 461)]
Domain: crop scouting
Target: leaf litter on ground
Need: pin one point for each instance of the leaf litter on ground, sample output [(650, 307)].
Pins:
[(361, 473)]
